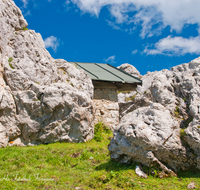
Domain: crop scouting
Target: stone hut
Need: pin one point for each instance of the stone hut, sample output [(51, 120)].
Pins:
[(107, 81)]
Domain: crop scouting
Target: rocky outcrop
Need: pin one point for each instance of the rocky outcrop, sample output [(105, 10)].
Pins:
[(160, 122), (130, 69), (42, 100)]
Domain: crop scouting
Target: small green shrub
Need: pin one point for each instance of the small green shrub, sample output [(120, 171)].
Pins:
[(132, 98), (182, 133), (198, 126), (10, 59), (99, 129), (177, 112), (11, 66), (25, 28)]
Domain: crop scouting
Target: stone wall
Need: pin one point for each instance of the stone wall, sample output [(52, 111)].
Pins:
[(106, 94), (107, 108)]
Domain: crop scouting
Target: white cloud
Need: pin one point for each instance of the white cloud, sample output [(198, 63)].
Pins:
[(147, 13), (175, 46), (113, 25), (51, 42), (25, 3), (134, 51), (110, 59), (27, 13)]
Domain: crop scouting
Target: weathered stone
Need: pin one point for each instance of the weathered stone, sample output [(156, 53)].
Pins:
[(191, 186), (149, 135), (166, 135), (3, 139), (105, 94), (130, 69), (139, 172), (107, 112), (42, 100)]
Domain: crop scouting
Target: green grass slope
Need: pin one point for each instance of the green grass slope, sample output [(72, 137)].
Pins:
[(78, 166)]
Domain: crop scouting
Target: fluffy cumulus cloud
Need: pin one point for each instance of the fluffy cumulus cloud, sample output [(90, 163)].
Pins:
[(151, 17), (51, 42), (147, 13), (110, 59), (175, 46)]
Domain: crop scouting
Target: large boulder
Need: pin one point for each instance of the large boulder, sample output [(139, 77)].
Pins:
[(150, 135), (42, 100), (160, 121), (130, 69)]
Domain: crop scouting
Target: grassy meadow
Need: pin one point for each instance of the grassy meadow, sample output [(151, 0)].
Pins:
[(78, 166)]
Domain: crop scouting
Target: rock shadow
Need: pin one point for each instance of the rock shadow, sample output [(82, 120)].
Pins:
[(112, 165)]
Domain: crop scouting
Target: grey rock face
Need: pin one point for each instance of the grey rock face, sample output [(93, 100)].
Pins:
[(139, 172), (191, 185), (42, 100), (149, 135), (160, 122), (130, 69)]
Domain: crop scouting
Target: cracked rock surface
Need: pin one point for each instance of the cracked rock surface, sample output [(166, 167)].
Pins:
[(160, 122), (42, 100)]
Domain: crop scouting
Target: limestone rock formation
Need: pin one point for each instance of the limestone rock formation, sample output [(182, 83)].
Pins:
[(139, 172), (42, 100), (160, 122), (130, 69), (191, 185)]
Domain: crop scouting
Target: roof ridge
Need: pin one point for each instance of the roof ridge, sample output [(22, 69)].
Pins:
[(109, 71), (125, 72)]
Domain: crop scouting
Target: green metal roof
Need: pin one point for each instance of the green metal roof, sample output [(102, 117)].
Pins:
[(106, 72)]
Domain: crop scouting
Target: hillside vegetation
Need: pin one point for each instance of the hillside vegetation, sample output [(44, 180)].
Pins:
[(78, 166)]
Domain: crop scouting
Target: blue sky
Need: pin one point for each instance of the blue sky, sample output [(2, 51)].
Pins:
[(149, 34)]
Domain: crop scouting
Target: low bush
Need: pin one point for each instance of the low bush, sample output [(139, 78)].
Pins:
[(99, 129)]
